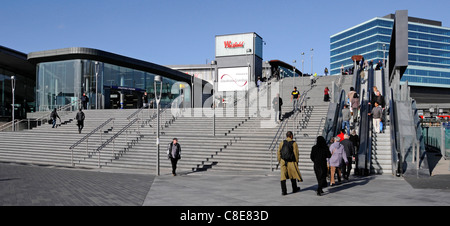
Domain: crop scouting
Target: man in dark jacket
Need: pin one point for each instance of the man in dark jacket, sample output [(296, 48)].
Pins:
[(349, 152), (84, 100), (319, 155), (174, 154), (53, 116), (80, 120)]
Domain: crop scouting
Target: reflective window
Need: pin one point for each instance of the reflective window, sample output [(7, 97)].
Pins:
[(107, 86), (429, 47)]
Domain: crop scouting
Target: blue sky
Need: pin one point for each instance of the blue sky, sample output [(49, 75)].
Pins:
[(183, 32)]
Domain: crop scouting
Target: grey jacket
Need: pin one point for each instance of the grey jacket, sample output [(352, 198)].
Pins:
[(377, 112), (346, 114)]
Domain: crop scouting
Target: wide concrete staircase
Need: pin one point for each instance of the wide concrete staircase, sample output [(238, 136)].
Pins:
[(45, 145), (242, 141)]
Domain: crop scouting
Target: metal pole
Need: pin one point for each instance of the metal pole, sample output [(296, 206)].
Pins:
[(214, 98), (293, 62), (312, 54), (158, 79), (303, 68), (13, 86), (96, 85)]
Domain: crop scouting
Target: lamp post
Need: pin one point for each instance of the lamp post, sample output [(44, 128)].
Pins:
[(293, 66), (96, 84), (312, 54), (13, 87), (158, 80), (249, 52), (214, 97), (303, 68)]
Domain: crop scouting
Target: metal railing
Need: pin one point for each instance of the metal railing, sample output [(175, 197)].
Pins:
[(112, 139), (39, 121), (283, 129), (86, 138)]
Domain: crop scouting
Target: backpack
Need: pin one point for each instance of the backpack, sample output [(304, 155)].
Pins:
[(287, 151)]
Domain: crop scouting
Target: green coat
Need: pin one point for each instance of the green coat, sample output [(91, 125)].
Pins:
[(291, 170)]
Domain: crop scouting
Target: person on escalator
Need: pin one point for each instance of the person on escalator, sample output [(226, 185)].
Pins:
[(376, 113), (355, 107)]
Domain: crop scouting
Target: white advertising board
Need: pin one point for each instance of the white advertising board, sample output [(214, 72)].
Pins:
[(234, 45), (233, 79)]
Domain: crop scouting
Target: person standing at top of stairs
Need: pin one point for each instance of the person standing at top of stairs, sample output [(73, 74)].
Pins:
[(295, 96), (84, 100)]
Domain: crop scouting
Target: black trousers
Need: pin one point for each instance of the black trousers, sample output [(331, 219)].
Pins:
[(174, 164), (80, 126), (346, 169)]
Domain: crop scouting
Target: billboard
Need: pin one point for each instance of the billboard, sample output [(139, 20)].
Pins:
[(237, 45), (233, 79)]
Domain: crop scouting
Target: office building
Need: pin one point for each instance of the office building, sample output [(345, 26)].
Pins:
[(428, 52)]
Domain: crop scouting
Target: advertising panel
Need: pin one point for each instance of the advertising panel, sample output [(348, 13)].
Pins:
[(233, 79), (234, 45)]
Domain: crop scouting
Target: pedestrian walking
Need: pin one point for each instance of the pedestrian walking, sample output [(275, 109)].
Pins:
[(288, 156), (336, 160), (258, 83), (145, 100), (311, 78), (319, 155), (174, 154), (326, 94), (84, 100), (326, 71), (349, 152), (295, 96), (277, 102), (53, 117), (80, 120), (346, 115)]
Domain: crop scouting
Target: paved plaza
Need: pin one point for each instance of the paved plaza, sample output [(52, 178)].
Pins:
[(24, 185)]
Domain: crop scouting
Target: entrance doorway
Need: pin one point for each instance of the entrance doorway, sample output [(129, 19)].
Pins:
[(119, 97)]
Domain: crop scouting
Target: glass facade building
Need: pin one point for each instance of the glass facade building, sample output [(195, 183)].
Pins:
[(14, 63), (428, 51), (110, 81)]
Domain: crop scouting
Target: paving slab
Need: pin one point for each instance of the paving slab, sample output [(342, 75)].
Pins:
[(24, 185)]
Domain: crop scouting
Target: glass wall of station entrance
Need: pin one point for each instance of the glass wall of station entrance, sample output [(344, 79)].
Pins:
[(23, 95), (63, 82)]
